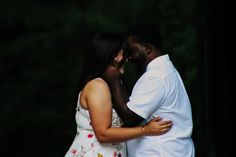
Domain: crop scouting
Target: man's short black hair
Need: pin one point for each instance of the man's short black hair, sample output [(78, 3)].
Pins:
[(147, 33)]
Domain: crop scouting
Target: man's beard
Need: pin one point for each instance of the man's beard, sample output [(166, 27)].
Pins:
[(140, 66), (139, 70)]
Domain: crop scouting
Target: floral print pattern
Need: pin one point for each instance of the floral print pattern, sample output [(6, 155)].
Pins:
[(86, 144)]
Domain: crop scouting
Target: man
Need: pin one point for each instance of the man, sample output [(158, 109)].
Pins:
[(158, 92)]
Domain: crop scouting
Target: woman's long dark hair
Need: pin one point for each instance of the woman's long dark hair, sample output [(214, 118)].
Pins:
[(101, 52)]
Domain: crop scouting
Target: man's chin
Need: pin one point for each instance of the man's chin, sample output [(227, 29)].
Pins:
[(139, 70)]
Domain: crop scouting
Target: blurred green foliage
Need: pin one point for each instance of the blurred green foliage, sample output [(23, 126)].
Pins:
[(41, 51)]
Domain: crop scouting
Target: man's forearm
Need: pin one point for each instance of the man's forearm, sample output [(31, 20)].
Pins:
[(120, 98)]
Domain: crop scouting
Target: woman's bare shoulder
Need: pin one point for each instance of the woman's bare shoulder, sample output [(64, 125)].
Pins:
[(97, 84)]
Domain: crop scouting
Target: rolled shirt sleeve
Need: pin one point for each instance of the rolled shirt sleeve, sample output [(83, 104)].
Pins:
[(147, 96)]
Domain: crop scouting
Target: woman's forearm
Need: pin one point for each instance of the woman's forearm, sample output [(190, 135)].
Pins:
[(116, 135)]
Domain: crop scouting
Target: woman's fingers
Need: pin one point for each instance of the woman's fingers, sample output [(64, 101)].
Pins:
[(158, 118), (166, 127), (164, 130), (164, 122)]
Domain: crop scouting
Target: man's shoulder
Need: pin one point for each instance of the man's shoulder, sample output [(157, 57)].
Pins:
[(157, 73)]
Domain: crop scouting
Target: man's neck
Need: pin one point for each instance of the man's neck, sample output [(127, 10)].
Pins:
[(153, 55)]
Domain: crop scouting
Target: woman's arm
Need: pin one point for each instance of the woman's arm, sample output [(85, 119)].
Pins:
[(98, 100)]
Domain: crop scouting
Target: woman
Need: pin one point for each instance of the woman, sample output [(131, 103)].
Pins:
[(99, 131)]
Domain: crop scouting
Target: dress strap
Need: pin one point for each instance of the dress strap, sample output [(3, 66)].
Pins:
[(79, 106)]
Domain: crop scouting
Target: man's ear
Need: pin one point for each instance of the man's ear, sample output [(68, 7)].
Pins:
[(148, 48)]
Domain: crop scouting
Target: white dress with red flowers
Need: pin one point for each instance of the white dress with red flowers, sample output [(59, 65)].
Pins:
[(86, 144)]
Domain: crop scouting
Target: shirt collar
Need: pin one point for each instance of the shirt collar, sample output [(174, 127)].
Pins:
[(158, 61)]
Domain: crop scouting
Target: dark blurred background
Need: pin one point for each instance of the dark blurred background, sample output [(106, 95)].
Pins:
[(42, 44)]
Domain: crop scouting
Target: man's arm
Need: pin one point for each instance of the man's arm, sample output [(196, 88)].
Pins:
[(120, 98)]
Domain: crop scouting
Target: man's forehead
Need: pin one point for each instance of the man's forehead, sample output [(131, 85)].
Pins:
[(132, 41)]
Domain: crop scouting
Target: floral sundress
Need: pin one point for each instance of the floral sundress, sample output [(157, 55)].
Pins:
[(85, 143)]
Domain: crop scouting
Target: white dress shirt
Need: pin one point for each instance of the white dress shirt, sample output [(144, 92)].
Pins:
[(160, 92)]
